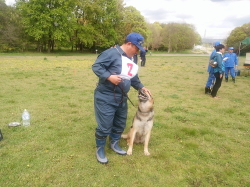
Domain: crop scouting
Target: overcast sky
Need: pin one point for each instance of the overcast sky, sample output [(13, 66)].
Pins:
[(213, 19)]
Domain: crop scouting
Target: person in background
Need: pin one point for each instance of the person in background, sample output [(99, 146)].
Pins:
[(230, 64), (210, 70), (135, 58), (218, 70), (117, 73), (143, 56)]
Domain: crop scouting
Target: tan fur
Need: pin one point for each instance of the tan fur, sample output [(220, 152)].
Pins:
[(142, 125)]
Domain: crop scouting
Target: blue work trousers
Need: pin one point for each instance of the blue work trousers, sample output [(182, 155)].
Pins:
[(211, 78), (231, 70), (143, 61), (111, 115)]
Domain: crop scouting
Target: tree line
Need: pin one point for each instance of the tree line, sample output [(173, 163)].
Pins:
[(81, 25), (237, 35), (92, 24)]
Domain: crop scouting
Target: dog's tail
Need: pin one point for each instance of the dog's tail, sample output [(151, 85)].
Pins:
[(124, 136)]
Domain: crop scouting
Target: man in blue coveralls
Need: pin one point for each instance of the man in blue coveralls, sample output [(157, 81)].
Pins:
[(210, 70), (230, 64), (116, 72)]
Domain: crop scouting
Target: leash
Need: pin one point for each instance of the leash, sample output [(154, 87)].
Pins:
[(126, 95), (123, 94)]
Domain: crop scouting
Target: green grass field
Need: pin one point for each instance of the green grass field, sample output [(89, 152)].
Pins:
[(195, 141)]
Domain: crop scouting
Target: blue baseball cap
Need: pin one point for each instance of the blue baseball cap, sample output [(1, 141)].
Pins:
[(231, 48), (217, 43), (136, 39)]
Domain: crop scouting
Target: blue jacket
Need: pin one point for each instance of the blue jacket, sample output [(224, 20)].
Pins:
[(108, 63), (210, 68), (143, 53), (232, 60), (220, 67)]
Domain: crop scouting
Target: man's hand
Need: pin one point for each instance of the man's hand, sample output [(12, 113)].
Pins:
[(146, 90), (220, 75), (115, 79)]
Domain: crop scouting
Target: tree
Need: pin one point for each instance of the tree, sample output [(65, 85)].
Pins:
[(110, 20), (3, 24), (11, 32), (47, 21), (177, 37), (155, 37), (97, 23), (169, 36), (237, 35), (92, 24), (134, 22)]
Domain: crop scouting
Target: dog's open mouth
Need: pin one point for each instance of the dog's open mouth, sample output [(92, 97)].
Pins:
[(142, 95)]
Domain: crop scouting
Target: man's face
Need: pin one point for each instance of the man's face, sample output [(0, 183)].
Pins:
[(132, 50), (222, 50), (231, 50)]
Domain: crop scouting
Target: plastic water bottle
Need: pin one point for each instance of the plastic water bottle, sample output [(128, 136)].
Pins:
[(26, 118)]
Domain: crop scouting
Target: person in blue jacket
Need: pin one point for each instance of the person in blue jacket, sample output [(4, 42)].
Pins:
[(116, 72), (143, 56), (210, 70), (218, 70), (135, 58), (230, 64)]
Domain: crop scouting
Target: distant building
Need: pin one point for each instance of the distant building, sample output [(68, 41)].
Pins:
[(198, 47)]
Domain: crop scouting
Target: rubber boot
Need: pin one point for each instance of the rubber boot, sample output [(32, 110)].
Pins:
[(100, 151), (207, 90), (114, 143), (226, 78), (233, 79)]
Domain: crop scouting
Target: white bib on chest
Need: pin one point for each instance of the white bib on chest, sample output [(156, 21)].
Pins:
[(129, 68)]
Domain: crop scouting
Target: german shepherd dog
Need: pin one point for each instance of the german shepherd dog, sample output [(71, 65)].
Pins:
[(142, 123)]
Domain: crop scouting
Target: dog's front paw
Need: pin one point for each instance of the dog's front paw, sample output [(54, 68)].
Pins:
[(146, 153), (129, 152)]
